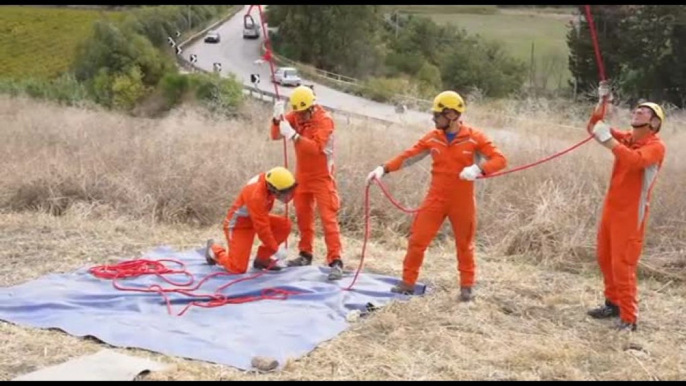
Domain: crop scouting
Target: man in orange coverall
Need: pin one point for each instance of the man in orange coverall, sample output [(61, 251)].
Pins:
[(456, 150), (638, 157), (311, 129), (249, 215)]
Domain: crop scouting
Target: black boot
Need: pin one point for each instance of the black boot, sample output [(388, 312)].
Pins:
[(608, 310), (210, 258), (466, 294), (260, 264), (403, 288), (302, 260), (625, 326), (336, 270)]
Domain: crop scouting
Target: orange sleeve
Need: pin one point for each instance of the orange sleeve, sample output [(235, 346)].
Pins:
[(496, 159), (259, 215), (410, 156), (319, 141), (618, 135), (650, 154), (275, 134)]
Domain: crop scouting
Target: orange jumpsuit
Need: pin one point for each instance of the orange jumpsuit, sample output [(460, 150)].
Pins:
[(249, 215), (625, 212), (448, 196), (315, 175)]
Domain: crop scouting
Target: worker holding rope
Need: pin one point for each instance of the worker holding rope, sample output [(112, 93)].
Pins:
[(311, 129), (638, 157), (249, 215), (457, 150)]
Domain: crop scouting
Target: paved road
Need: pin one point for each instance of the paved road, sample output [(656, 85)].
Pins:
[(238, 56)]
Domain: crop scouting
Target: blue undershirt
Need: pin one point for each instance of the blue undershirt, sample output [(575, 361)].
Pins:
[(450, 136)]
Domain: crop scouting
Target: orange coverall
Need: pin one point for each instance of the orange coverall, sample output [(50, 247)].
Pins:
[(448, 196), (249, 215), (315, 175), (625, 212)]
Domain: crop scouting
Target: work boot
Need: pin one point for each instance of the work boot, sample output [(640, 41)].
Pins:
[(621, 325), (264, 264), (336, 270), (302, 260), (210, 258), (608, 310), (403, 288), (466, 294)]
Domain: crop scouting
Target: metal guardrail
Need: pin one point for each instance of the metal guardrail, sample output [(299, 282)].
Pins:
[(418, 103), (271, 97)]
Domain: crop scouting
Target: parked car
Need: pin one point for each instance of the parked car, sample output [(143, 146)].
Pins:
[(212, 37), (251, 31), (286, 76)]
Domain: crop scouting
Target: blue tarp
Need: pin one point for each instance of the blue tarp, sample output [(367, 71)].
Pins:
[(83, 305)]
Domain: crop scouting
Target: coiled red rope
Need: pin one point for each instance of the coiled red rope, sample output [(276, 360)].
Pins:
[(142, 267)]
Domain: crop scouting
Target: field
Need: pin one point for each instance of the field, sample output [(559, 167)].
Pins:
[(78, 187), (517, 29), (40, 41)]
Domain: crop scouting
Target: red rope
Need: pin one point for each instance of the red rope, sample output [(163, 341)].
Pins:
[(594, 37), (269, 58), (141, 267)]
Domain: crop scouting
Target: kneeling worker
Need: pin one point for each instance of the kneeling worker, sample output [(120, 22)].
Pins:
[(249, 215)]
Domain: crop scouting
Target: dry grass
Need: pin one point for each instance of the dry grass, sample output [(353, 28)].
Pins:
[(118, 186), (188, 167), (528, 323)]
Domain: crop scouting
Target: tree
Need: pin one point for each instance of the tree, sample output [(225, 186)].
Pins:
[(339, 38), (643, 48)]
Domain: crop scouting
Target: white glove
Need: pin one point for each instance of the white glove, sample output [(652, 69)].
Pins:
[(278, 110), (281, 253), (376, 173), (470, 173), (604, 90), (601, 131), (286, 130)]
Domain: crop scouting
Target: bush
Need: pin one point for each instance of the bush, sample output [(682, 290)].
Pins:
[(476, 64), (384, 89), (223, 95), (118, 50), (128, 89)]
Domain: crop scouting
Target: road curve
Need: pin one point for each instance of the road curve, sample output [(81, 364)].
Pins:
[(238, 56)]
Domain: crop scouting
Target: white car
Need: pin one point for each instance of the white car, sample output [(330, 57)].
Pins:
[(251, 31), (212, 37), (287, 76)]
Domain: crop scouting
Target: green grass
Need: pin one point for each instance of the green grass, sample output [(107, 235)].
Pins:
[(517, 29), (39, 41)]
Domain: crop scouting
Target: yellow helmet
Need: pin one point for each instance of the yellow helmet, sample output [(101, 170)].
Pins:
[(448, 100), (656, 109), (280, 179), (302, 98)]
